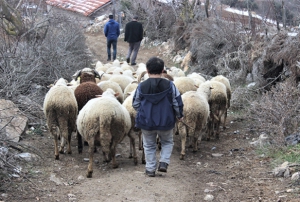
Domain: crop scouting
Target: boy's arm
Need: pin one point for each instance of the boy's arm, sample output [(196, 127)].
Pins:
[(177, 102)]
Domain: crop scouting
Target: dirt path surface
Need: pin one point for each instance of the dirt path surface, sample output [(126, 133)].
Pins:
[(238, 174)]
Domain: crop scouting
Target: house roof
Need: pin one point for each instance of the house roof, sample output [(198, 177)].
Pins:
[(85, 7)]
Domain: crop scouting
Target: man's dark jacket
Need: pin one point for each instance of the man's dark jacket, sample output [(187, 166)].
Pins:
[(133, 32)]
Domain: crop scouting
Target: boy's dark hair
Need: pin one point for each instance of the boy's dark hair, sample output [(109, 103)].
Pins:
[(155, 65), (111, 16)]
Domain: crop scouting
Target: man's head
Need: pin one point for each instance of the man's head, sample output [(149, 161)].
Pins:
[(135, 17), (155, 65), (111, 16)]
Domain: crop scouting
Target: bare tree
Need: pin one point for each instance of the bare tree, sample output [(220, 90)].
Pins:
[(11, 19)]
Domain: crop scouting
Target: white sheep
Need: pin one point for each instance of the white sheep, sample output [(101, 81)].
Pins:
[(185, 84), (129, 88), (122, 80), (226, 82), (141, 68), (196, 113), (198, 79), (104, 77), (126, 66), (60, 109), (106, 120), (175, 72), (218, 106), (133, 131), (104, 85)]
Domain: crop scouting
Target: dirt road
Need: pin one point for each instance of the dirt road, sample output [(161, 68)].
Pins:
[(236, 174)]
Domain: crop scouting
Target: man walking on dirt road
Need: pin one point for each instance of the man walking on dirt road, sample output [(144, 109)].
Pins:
[(134, 34), (112, 32)]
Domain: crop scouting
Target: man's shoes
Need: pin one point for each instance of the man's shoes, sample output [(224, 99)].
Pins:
[(133, 63), (150, 174), (108, 59), (128, 60), (162, 167)]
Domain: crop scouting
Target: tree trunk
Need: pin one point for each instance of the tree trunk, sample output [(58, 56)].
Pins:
[(276, 16), (283, 15), (206, 8), (251, 22)]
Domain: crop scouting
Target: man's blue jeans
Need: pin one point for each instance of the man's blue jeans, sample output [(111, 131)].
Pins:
[(150, 145), (112, 42)]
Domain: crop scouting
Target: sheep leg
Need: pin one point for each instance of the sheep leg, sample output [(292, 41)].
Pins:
[(143, 154), (225, 117), (132, 147), (140, 140), (91, 159), (218, 124), (79, 142), (62, 145), (158, 143), (113, 154), (69, 151), (54, 131), (209, 128), (182, 132)]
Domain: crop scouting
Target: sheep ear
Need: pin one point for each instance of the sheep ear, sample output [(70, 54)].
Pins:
[(116, 94), (69, 84), (98, 95), (50, 86), (76, 75)]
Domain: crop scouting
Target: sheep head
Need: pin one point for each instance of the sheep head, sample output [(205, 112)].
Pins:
[(87, 74)]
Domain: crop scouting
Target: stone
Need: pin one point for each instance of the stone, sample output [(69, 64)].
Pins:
[(217, 155), (12, 121), (209, 197), (27, 156), (54, 179), (295, 176)]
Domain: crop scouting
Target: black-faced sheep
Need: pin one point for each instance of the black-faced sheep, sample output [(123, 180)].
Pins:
[(60, 109), (106, 120), (88, 89), (196, 113)]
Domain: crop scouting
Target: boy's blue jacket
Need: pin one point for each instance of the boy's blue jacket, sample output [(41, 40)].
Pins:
[(112, 30), (158, 103)]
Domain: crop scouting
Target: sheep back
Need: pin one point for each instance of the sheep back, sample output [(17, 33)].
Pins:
[(86, 91), (185, 84)]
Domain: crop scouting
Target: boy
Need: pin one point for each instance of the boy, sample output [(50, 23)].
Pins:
[(158, 104)]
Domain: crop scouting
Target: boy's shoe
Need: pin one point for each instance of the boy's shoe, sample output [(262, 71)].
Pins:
[(133, 63), (150, 174), (162, 167), (128, 60)]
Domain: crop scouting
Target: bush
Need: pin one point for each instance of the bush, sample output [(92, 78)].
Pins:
[(277, 112), (53, 47)]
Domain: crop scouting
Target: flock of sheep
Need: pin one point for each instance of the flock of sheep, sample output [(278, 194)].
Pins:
[(97, 105)]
